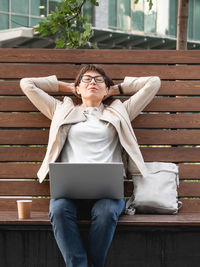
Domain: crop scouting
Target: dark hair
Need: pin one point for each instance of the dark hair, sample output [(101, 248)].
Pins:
[(96, 68)]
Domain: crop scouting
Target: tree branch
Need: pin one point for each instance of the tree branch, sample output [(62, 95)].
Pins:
[(78, 12)]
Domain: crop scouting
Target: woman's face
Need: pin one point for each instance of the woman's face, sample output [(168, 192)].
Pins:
[(91, 88)]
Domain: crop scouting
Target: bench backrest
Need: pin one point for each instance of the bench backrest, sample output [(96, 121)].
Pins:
[(168, 129)]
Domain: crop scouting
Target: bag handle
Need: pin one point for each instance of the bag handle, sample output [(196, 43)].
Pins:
[(180, 204)]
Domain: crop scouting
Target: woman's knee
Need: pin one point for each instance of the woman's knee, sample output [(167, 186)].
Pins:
[(62, 207), (107, 210)]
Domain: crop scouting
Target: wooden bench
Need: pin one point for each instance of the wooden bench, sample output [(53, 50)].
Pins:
[(168, 130)]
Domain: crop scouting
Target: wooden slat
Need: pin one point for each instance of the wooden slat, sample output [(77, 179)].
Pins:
[(183, 219), (171, 154), (18, 104), (29, 170), (64, 71), (144, 137), (168, 154), (99, 56), (172, 104), (41, 218), (142, 121), (12, 88), (167, 88), (168, 137), (186, 189), (189, 171), (189, 189), (24, 188), (23, 120), (167, 121), (21, 137), (179, 88), (42, 205), (190, 206), (33, 188), (22, 153), (19, 170), (38, 204), (164, 104)]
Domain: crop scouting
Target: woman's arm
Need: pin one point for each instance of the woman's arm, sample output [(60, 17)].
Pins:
[(143, 89), (67, 88), (37, 89), (113, 90)]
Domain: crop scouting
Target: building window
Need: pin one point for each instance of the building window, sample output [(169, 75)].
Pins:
[(4, 4), (194, 20), (20, 7), (137, 16), (53, 4), (4, 21), (88, 10), (19, 20), (38, 8), (132, 17), (27, 13), (112, 20), (150, 17), (120, 14), (123, 15)]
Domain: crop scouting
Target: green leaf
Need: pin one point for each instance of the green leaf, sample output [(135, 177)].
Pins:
[(94, 2), (150, 3), (67, 26)]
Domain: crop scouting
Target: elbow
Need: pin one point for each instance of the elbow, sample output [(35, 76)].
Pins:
[(22, 83), (156, 82), (25, 84)]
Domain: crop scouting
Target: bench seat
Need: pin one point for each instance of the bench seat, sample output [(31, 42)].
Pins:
[(168, 130), (41, 218)]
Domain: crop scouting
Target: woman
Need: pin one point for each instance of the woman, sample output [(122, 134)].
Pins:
[(90, 132)]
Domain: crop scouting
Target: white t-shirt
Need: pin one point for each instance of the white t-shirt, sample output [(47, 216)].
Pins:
[(92, 140)]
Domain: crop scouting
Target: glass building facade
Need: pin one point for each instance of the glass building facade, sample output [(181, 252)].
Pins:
[(160, 20), (27, 13), (121, 15), (24, 13)]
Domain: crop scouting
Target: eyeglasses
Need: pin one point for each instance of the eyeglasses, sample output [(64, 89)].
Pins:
[(88, 78)]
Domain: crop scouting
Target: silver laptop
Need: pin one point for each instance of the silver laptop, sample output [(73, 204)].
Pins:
[(86, 180)]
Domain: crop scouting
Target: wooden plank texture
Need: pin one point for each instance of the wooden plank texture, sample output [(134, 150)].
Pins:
[(168, 137), (162, 104), (24, 188), (144, 137), (186, 189), (167, 121), (13, 170), (168, 154), (38, 204), (42, 205), (18, 170), (34, 188), (14, 120), (171, 154), (64, 71), (21, 137), (41, 218), (22, 153), (18, 127), (96, 56), (168, 88), (142, 121)]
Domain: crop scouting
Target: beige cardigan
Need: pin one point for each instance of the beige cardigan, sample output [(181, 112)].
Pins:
[(64, 113)]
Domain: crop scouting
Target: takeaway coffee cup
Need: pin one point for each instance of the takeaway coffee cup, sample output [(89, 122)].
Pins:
[(24, 209)]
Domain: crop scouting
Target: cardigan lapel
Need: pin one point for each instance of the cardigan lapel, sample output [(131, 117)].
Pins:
[(76, 115)]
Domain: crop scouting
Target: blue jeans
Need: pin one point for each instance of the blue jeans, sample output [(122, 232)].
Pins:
[(104, 215)]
